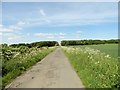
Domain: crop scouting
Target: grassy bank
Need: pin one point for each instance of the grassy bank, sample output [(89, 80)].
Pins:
[(95, 68), (20, 62)]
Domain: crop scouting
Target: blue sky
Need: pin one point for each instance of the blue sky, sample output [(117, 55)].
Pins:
[(37, 21)]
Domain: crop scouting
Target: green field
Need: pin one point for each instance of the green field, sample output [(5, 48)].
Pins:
[(97, 65), (111, 49)]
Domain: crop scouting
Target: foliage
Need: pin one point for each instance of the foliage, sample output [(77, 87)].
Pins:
[(16, 60), (87, 42), (36, 44), (44, 43), (96, 69)]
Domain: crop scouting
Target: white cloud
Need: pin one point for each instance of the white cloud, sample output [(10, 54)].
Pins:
[(76, 18), (0, 34), (61, 37), (15, 37), (1, 25), (79, 32), (21, 23), (42, 12), (12, 28), (45, 35), (10, 38), (51, 35), (6, 30), (8, 34), (74, 14), (48, 21), (42, 34), (62, 34), (15, 27), (85, 14)]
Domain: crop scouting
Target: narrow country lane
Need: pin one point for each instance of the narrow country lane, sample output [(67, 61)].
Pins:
[(54, 71)]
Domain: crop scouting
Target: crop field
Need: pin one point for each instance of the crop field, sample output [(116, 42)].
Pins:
[(111, 49), (17, 60), (96, 65)]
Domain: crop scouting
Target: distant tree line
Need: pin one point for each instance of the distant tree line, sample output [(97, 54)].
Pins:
[(63, 43), (34, 44), (44, 43), (88, 42)]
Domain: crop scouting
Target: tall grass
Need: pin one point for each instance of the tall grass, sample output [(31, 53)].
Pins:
[(21, 62), (96, 69)]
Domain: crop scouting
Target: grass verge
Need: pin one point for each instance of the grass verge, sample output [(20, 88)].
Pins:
[(96, 69), (20, 66)]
